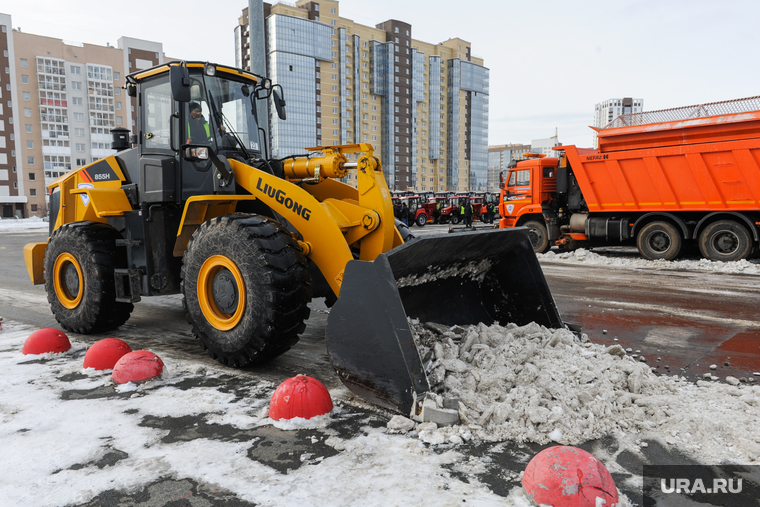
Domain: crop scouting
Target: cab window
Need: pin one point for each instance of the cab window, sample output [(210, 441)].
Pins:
[(157, 114), (519, 178)]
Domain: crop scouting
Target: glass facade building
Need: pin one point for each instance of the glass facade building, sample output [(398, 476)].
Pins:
[(422, 106), (294, 46)]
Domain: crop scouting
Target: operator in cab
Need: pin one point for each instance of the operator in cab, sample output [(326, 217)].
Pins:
[(198, 129)]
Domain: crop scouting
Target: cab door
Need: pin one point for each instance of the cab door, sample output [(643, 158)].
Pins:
[(517, 195)]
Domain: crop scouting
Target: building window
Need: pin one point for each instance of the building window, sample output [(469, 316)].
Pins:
[(24, 79), (30, 145), (78, 117), (116, 76), (32, 177), (27, 112), (79, 132), (34, 208), (27, 96), (24, 63), (30, 160), (33, 192), (80, 146), (81, 161), (76, 85), (75, 69), (77, 101)]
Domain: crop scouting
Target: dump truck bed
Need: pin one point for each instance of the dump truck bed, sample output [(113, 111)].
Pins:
[(701, 164)]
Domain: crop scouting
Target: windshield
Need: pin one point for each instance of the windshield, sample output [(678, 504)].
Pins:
[(220, 114)]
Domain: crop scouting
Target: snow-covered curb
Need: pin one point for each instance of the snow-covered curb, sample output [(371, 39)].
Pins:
[(583, 256)]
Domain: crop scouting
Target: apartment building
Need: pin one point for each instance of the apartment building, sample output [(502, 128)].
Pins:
[(606, 111), (423, 106), (60, 100)]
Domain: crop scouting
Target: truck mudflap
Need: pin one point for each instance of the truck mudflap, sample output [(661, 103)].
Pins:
[(491, 276)]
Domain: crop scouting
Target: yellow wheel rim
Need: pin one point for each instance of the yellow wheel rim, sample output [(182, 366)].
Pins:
[(214, 315), (63, 290)]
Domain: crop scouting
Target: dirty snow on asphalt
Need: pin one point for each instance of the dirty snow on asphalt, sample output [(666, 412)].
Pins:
[(62, 425), (536, 384), (583, 256)]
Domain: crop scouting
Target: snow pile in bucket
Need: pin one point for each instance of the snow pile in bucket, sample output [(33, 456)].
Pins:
[(583, 256), (536, 384)]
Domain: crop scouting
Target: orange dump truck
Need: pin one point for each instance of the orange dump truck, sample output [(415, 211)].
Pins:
[(661, 185)]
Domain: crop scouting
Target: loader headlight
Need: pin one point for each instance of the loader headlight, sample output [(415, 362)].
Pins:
[(209, 69), (197, 153)]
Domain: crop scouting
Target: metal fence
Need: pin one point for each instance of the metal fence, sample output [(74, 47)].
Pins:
[(686, 113)]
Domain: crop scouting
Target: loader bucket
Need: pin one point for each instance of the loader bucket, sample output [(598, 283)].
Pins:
[(490, 276)]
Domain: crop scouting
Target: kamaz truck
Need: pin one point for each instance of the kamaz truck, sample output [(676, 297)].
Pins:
[(664, 181)]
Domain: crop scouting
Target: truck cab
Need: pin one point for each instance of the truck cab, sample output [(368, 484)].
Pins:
[(529, 186)]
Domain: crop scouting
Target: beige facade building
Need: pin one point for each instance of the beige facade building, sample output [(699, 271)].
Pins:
[(423, 106), (60, 100)]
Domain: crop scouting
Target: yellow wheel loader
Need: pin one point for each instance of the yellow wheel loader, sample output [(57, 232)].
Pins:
[(194, 204)]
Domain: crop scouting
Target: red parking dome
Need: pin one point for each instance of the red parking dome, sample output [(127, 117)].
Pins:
[(46, 340), (137, 366), (564, 476), (103, 354), (300, 396)]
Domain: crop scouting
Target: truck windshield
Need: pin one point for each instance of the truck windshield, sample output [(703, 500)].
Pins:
[(519, 178)]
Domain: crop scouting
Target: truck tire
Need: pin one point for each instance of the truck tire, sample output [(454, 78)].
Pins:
[(659, 240), (246, 287), (455, 219), (421, 219), (79, 277), (538, 236), (725, 241)]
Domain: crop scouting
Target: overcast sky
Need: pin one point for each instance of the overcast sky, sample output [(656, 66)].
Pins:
[(551, 61)]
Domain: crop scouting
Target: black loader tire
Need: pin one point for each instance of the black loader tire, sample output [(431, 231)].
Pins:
[(406, 234), (79, 277), (725, 241), (421, 220), (539, 239), (253, 269), (455, 219), (659, 240)]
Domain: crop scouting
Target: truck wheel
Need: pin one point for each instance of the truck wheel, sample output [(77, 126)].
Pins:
[(454, 219), (421, 219), (79, 277), (725, 241), (659, 240), (246, 287), (538, 237)]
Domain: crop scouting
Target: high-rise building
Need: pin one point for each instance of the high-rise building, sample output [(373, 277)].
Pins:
[(606, 111), (60, 100), (423, 106)]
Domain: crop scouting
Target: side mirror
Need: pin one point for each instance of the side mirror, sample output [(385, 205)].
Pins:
[(501, 180), (279, 104), (180, 82), (131, 89)]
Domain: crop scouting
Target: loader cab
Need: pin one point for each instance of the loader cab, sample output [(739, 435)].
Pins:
[(183, 108)]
